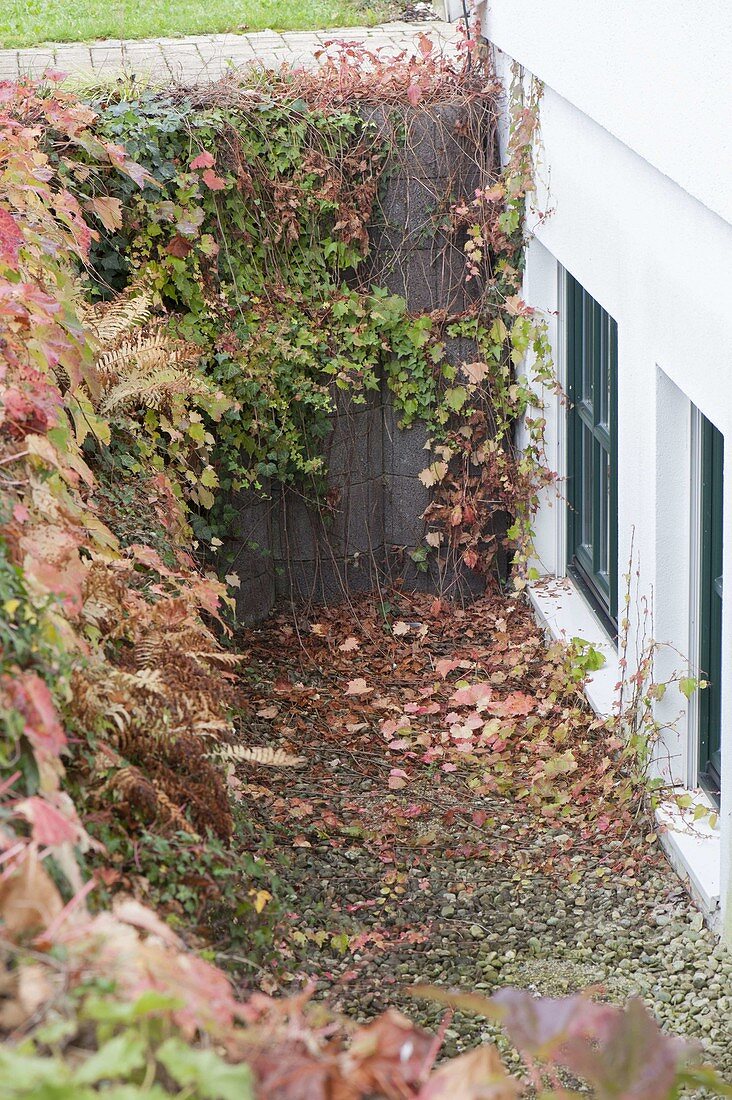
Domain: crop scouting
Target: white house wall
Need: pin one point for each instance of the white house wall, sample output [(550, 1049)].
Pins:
[(656, 253), (653, 74)]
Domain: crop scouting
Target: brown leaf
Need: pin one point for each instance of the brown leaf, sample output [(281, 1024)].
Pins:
[(29, 901), (358, 687), (31, 989), (478, 1075), (178, 247), (108, 210), (388, 1056)]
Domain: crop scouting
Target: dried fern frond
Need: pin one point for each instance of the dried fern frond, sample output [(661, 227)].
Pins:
[(109, 321), (174, 814), (228, 660), (151, 391), (147, 349), (212, 728), (261, 754)]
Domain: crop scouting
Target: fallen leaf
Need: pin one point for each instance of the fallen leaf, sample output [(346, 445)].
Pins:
[(445, 665), (358, 687), (268, 712)]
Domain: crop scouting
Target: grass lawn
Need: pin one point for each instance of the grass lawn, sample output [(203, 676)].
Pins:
[(31, 22)]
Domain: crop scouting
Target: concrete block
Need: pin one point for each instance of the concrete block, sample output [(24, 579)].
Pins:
[(357, 526), (404, 449), (428, 278), (252, 519), (298, 528), (354, 449), (405, 500), (414, 207)]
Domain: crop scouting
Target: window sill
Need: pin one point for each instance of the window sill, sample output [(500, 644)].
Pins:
[(561, 608), (693, 849)]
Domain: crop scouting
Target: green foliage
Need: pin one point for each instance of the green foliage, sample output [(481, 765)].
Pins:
[(582, 659), (129, 1050), (252, 247), (225, 892)]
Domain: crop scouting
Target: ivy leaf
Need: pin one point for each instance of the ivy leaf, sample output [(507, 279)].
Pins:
[(209, 1075), (433, 474), (116, 1058), (178, 247), (456, 397), (688, 685)]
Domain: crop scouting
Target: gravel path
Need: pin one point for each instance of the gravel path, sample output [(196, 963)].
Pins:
[(203, 58), (438, 882)]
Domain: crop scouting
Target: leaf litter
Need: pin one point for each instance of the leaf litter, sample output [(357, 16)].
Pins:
[(461, 816)]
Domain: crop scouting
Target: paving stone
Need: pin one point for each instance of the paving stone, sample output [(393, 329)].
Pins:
[(216, 52), (9, 65), (34, 62), (107, 60), (73, 59)]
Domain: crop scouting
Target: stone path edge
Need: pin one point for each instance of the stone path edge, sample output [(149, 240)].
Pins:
[(202, 58)]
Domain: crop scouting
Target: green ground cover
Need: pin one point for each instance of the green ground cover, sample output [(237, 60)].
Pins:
[(31, 22)]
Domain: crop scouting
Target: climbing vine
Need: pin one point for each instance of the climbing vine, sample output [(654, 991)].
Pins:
[(250, 236)]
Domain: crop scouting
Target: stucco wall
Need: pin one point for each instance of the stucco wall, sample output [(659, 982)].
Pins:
[(656, 252), (655, 75)]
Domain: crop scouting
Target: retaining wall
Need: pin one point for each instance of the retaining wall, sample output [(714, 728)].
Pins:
[(365, 535)]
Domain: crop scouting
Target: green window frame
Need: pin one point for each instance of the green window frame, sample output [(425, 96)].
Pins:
[(710, 606), (592, 476)]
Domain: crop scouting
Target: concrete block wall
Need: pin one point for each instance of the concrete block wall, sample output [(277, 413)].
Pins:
[(372, 520)]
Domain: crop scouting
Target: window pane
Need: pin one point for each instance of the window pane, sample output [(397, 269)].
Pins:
[(592, 487), (587, 486), (587, 349), (603, 538), (604, 410)]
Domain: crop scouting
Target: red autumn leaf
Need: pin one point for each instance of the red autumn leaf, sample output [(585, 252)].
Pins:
[(388, 1056), (212, 181), (472, 695), (30, 696), (621, 1051), (203, 160), (514, 705), (414, 94), (49, 827), (425, 44), (11, 239)]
